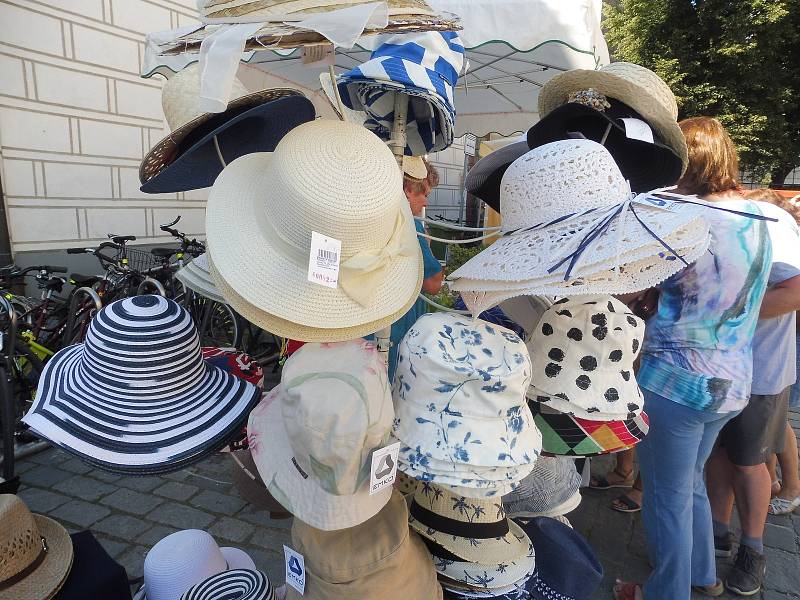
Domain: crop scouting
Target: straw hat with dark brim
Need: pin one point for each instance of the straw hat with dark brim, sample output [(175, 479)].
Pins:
[(35, 553), (638, 87), (187, 158)]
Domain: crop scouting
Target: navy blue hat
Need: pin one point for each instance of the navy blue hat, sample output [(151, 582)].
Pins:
[(94, 573), (566, 565), (192, 160)]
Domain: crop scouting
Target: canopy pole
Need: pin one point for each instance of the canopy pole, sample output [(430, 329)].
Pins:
[(219, 153), (398, 146)]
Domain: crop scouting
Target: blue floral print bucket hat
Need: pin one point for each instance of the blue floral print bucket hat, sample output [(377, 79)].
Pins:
[(459, 394)]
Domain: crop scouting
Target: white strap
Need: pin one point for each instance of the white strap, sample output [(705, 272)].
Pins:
[(220, 54)]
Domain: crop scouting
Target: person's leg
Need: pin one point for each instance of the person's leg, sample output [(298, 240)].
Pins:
[(788, 459), (667, 459), (704, 570), (772, 463), (719, 481), (621, 476)]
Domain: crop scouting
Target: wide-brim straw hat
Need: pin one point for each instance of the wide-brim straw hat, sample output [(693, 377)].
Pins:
[(261, 11), (196, 276), (37, 553), (187, 158), (567, 435), (378, 559), (473, 529), (638, 87), (236, 584), (136, 397), (334, 179)]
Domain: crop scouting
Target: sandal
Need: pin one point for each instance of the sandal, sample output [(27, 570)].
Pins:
[(710, 590), (601, 482), (628, 590), (782, 506), (628, 505)]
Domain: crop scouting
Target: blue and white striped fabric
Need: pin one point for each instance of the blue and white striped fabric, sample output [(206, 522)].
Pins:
[(424, 66)]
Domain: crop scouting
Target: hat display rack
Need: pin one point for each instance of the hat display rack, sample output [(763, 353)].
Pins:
[(475, 437)]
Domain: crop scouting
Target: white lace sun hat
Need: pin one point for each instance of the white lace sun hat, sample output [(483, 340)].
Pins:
[(571, 226)]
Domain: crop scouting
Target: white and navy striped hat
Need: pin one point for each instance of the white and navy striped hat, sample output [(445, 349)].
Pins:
[(424, 66), (237, 584), (137, 397)]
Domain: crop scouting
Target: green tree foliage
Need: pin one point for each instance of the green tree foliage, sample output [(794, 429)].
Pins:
[(737, 60)]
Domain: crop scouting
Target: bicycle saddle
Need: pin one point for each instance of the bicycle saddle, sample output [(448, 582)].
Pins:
[(121, 239), (163, 252), (84, 280)]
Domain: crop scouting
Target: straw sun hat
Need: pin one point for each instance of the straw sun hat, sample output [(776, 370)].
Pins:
[(250, 11), (326, 177), (189, 157), (35, 553), (636, 86)]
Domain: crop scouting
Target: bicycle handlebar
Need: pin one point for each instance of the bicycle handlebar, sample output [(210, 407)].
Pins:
[(48, 268)]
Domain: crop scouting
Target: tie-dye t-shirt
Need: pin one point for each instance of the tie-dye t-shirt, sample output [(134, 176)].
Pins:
[(697, 349)]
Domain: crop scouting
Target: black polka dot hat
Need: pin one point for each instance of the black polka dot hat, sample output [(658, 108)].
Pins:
[(582, 355), (137, 396)]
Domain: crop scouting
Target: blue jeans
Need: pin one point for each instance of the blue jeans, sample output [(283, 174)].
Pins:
[(675, 509)]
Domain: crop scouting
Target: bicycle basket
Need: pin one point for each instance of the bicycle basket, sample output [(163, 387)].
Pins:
[(140, 260)]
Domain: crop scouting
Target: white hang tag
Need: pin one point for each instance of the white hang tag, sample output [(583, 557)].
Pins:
[(636, 129), (323, 260), (384, 468), (295, 569), (656, 202)]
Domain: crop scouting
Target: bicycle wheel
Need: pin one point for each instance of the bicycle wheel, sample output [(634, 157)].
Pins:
[(217, 324)]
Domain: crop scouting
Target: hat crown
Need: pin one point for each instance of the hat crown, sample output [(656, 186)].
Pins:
[(20, 540), (141, 348), (558, 179), (337, 409), (648, 82), (336, 179), (180, 96), (583, 354), (179, 561), (460, 387)]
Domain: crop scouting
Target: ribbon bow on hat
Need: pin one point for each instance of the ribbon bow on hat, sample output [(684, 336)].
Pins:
[(357, 273)]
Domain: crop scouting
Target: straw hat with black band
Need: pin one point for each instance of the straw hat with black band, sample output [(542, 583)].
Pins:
[(35, 553)]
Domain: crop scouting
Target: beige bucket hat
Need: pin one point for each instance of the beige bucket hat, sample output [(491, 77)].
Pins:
[(330, 178), (35, 553), (473, 529), (379, 559), (638, 87), (180, 98), (313, 436)]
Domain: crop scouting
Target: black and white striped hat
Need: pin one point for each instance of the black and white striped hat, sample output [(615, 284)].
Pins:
[(137, 397), (236, 584)]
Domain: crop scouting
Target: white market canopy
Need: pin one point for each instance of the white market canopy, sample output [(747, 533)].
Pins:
[(513, 48)]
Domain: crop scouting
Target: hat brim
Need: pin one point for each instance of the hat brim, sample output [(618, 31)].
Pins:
[(253, 490), (186, 158), (486, 576), (250, 262), (565, 435), (484, 178), (463, 471), (556, 92), (166, 435), (299, 495), (523, 509), (46, 579), (200, 282), (645, 165), (637, 276)]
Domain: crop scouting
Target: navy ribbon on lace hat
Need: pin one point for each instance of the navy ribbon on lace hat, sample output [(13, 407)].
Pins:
[(655, 198)]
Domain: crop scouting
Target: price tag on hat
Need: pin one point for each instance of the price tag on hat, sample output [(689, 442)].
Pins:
[(636, 129), (323, 260), (657, 202), (384, 468), (295, 569)]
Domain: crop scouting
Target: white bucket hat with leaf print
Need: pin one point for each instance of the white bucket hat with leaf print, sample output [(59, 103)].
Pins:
[(459, 394)]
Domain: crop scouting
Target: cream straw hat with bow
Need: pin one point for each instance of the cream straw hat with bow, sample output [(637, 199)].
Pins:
[(338, 180)]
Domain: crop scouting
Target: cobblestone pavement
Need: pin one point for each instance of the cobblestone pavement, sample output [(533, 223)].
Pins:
[(130, 514)]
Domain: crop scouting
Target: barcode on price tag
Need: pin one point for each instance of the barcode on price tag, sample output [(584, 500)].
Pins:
[(323, 260)]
